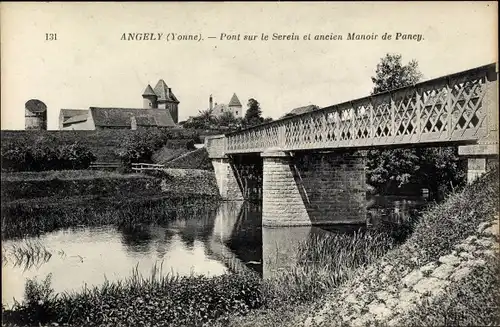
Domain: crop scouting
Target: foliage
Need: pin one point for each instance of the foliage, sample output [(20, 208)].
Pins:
[(392, 74), (438, 169), (227, 119), (253, 115), (44, 154), (391, 170), (158, 300), (206, 120), (141, 145)]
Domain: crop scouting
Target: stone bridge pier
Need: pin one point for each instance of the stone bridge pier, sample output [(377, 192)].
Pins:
[(320, 188)]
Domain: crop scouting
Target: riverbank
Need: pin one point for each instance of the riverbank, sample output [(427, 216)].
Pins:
[(360, 283), (446, 272), (33, 203)]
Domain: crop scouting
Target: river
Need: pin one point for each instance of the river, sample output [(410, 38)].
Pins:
[(228, 241)]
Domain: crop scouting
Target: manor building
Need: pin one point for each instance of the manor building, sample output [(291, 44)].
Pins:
[(160, 109), (234, 106)]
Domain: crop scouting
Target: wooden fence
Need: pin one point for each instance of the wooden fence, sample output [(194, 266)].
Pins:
[(139, 167)]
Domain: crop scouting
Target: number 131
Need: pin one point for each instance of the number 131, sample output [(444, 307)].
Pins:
[(50, 37)]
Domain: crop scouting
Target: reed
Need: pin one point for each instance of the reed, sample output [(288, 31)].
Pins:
[(324, 263), (27, 253), (18, 220)]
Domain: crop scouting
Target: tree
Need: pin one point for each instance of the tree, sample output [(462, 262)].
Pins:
[(392, 74), (204, 120), (253, 116), (227, 119), (390, 170)]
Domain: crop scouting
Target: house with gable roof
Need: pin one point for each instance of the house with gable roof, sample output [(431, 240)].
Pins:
[(233, 106), (160, 110)]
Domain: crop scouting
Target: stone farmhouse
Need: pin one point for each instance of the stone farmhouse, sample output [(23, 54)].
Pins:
[(160, 109)]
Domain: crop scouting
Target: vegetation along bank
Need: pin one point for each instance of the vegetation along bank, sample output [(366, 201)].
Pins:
[(451, 252), (37, 202)]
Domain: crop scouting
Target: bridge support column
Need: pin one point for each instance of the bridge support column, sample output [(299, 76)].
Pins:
[(226, 178), (480, 158), (282, 203)]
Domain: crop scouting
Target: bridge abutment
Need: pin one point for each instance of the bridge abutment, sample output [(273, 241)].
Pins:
[(480, 158), (226, 178)]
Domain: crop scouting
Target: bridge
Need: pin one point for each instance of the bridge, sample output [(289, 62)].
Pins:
[(310, 168)]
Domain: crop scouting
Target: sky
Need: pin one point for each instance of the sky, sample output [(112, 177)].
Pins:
[(88, 64)]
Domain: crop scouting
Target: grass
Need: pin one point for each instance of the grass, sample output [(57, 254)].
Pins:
[(156, 300), (63, 175), (196, 159), (473, 301), (325, 262), (20, 219), (28, 253), (72, 183)]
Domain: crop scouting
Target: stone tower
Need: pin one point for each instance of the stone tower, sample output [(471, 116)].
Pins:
[(167, 100), (235, 106), (35, 115), (150, 99)]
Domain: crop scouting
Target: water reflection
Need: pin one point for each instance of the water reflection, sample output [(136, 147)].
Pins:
[(209, 243)]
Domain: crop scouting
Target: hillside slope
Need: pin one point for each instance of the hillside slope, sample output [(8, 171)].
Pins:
[(103, 143)]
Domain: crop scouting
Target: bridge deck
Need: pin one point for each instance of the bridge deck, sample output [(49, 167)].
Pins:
[(455, 108)]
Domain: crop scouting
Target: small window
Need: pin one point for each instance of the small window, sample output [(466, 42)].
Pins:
[(221, 110), (236, 112)]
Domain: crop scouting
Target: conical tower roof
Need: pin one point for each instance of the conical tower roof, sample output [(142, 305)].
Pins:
[(161, 90), (234, 102), (148, 91)]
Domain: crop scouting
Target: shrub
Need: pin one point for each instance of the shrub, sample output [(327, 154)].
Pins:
[(140, 146), (44, 154)]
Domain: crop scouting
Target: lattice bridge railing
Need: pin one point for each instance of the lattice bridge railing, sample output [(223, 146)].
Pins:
[(451, 108)]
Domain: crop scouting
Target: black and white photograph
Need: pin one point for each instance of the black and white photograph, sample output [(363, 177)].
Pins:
[(250, 164)]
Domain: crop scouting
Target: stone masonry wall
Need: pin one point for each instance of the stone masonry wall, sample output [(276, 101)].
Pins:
[(317, 189), (334, 185), (226, 180), (282, 203)]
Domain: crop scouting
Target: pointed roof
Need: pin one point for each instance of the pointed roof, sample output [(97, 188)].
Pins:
[(148, 91), (234, 102), (161, 90), (163, 93)]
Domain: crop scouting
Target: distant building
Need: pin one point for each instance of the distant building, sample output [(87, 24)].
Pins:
[(160, 109), (301, 110), (35, 115), (233, 106)]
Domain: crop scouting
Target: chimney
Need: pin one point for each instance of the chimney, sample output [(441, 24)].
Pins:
[(210, 103)]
